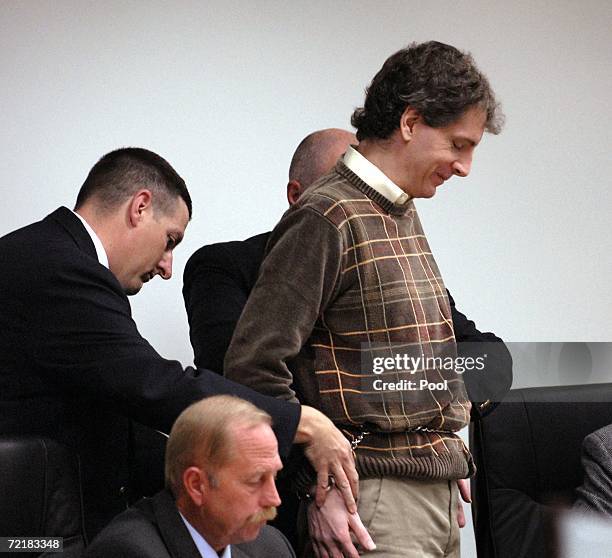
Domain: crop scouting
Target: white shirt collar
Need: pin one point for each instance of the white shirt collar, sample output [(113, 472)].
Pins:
[(374, 177), (204, 548), (100, 251)]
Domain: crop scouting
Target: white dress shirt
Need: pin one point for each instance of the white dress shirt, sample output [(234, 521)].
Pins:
[(374, 177), (100, 251), (204, 548)]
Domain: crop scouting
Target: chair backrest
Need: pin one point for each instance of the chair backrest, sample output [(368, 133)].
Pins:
[(40, 491), (527, 453)]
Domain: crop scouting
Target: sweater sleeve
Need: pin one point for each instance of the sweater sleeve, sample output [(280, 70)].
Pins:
[(298, 278)]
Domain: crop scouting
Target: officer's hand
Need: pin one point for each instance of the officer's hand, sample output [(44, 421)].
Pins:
[(330, 453)]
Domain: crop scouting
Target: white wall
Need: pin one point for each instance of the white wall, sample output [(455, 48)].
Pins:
[(226, 89)]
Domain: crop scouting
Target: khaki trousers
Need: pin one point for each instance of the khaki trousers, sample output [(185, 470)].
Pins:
[(406, 518), (410, 518)]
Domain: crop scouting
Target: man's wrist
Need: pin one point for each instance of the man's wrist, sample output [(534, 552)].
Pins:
[(304, 431)]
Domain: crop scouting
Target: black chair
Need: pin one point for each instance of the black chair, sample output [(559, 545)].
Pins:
[(527, 453), (40, 492)]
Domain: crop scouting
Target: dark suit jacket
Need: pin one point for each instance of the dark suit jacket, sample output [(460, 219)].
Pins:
[(219, 277), (73, 365), (153, 528), (595, 494)]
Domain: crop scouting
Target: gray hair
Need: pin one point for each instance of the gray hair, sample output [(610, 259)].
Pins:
[(201, 435)]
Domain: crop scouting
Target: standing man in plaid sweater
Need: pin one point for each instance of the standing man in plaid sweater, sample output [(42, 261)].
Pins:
[(349, 286)]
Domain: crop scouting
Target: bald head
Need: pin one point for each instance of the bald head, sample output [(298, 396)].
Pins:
[(317, 154)]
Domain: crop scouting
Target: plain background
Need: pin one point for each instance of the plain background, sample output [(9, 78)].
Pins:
[(225, 90)]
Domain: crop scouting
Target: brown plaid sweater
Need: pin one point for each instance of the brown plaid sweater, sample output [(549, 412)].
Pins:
[(349, 277)]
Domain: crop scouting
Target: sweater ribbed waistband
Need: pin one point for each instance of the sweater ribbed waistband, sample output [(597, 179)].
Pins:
[(431, 455)]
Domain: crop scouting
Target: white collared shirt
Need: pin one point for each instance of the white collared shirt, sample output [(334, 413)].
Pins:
[(100, 251), (374, 177), (204, 548)]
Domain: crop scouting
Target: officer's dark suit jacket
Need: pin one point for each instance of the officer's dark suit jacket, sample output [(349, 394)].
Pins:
[(595, 494), (153, 528), (219, 277), (73, 364)]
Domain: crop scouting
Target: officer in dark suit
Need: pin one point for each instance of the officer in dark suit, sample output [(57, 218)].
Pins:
[(221, 462), (73, 365)]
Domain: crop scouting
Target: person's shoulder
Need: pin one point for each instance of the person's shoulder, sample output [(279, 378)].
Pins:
[(600, 440), (38, 250), (59, 232), (328, 189), (29, 235), (222, 252), (270, 542), (333, 197), (131, 534)]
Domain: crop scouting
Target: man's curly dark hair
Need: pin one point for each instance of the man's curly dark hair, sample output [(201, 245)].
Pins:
[(439, 81)]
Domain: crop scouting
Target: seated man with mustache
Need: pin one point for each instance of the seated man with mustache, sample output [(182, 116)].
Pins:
[(221, 462)]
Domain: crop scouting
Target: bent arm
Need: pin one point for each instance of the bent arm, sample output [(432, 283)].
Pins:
[(297, 279), (85, 343), (487, 387)]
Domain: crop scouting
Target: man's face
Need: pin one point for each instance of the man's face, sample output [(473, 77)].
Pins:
[(153, 243), (433, 155), (243, 495)]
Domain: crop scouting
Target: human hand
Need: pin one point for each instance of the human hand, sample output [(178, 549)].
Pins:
[(330, 453), (331, 527), (464, 490)]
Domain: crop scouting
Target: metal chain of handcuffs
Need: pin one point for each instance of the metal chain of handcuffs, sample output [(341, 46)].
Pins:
[(356, 440)]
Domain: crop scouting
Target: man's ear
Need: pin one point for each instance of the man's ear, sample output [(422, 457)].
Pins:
[(140, 203), (294, 191), (407, 121), (195, 482)]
